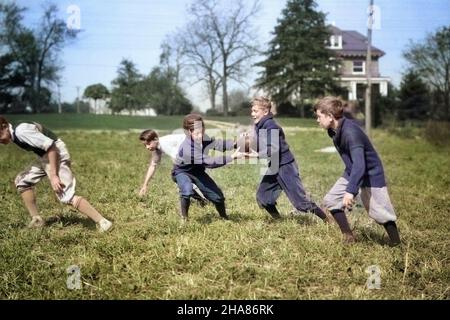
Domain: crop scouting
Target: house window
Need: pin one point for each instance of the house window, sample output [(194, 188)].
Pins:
[(359, 67), (336, 42)]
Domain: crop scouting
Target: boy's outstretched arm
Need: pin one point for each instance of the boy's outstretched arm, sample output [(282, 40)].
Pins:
[(53, 159), (222, 145), (148, 176), (219, 161)]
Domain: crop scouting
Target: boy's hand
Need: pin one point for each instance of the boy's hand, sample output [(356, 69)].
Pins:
[(57, 185), (252, 154), (237, 154), (348, 200), (143, 191)]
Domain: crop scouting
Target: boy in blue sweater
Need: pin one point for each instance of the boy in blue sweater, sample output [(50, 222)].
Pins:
[(283, 173), (191, 161), (363, 170)]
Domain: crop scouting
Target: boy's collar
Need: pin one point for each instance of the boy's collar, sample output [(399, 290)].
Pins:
[(335, 132), (264, 119)]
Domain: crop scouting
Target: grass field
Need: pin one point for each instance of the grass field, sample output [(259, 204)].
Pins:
[(150, 255)]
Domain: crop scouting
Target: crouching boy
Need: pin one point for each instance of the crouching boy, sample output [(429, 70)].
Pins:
[(53, 162)]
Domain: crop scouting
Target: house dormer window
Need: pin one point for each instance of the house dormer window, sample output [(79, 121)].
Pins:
[(359, 67), (336, 42)]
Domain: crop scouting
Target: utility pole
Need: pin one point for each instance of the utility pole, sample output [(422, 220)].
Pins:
[(78, 99), (368, 109)]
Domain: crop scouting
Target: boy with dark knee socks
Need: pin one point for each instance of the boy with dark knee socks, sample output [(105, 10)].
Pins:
[(363, 170), (283, 173), (191, 161)]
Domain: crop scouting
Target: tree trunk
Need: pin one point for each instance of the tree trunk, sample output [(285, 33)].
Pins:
[(212, 95), (302, 104), (447, 94), (447, 104), (302, 110), (212, 99), (224, 90)]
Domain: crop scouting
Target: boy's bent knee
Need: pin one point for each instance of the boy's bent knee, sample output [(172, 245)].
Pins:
[(21, 185), (22, 188), (217, 199), (331, 203)]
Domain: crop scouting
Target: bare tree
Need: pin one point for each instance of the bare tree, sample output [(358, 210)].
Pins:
[(171, 57), (219, 42), (431, 61), (201, 57)]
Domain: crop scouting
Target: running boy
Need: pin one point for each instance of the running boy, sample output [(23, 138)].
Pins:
[(53, 162), (363, 170), (283, 173), (191, 161)]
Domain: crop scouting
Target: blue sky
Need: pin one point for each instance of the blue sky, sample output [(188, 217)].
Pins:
[(134, 29)]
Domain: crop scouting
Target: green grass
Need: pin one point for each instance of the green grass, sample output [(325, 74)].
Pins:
[(150, 255)]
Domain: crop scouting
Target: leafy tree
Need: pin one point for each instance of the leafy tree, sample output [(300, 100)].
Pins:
[(414, 98), (160, 92), (96, 92), (298, 64), (34, 53), (125, 92)]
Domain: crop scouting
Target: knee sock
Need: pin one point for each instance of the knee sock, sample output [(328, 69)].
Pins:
[(392, 231), (272, 210), (220, 207), (319, 212), (342, 221), (184, 207)]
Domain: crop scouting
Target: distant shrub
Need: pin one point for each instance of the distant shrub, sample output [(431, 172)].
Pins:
[(437, 132), (407, 130), (213, 113)]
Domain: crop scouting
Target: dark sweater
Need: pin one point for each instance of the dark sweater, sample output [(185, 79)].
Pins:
[(266, 147), (363, 167), (193, 157)]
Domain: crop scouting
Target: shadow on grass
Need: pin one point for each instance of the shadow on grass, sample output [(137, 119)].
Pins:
[(369, 235), (65, 221), (304, 219), (214, 216)]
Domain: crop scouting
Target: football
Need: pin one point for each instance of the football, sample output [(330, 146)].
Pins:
[(244, 142)]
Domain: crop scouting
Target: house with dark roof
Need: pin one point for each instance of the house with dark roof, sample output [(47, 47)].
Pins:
[(351, 48)]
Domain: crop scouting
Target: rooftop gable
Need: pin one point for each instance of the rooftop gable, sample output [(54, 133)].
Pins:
[(354, 43)]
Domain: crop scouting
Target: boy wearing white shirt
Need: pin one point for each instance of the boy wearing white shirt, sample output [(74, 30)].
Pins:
[(53, 162), (169, 145)]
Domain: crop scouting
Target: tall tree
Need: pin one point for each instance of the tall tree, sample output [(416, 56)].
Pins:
[(221, 42), (35, 52), (431, 61), (125, 92), (201, 57), (298, 63), (160, 92), (96, 92), (414, 98), (171, 57)]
